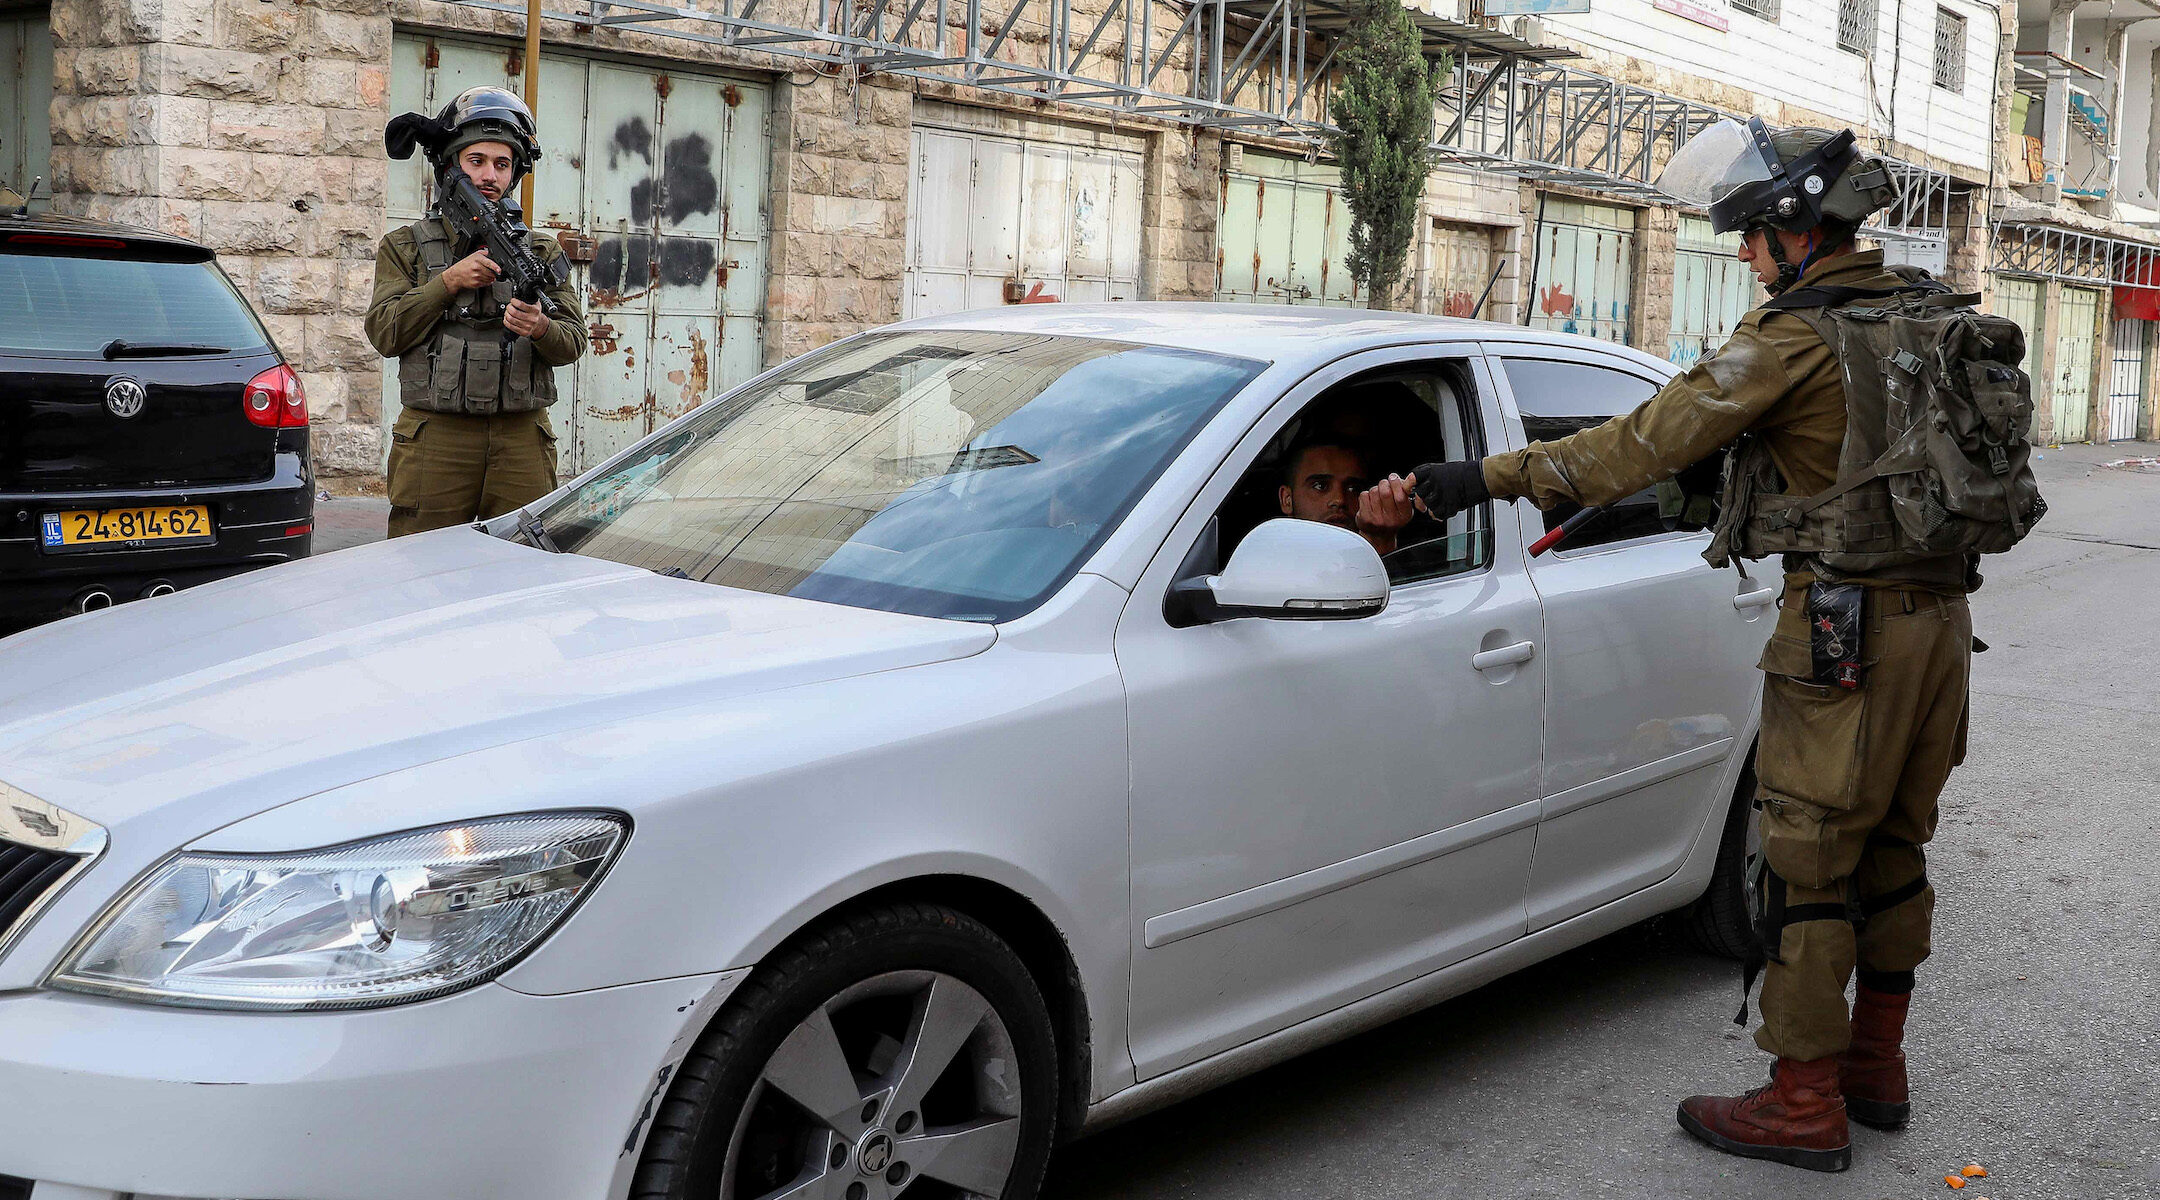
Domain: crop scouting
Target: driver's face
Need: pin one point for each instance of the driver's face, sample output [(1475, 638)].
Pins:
[(1325, 487)]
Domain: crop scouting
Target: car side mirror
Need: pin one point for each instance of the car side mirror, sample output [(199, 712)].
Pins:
[(1287, 569)]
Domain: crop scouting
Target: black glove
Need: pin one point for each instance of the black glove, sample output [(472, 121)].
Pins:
[(1448, 488)]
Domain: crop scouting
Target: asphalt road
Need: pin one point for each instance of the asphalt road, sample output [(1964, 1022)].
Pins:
[(2035, 1041)]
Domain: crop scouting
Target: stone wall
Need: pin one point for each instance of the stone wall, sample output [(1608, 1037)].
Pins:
[(254, 126), (839, 210), (1178, 255), (1657, 237)]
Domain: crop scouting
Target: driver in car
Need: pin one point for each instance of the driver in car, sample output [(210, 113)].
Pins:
[(1330, 482)]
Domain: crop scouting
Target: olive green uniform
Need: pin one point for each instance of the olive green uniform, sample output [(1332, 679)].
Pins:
[(1848, 778), (474, 440)]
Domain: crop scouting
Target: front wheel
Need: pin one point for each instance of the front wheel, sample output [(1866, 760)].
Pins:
[(904, 1050), (1719, 923)]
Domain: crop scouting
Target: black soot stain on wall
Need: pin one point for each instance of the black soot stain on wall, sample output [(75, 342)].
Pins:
[(622, 264), (631, 137), (691, 185), (686, 262)]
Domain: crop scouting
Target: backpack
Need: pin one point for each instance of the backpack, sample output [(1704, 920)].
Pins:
[(1938, 416)]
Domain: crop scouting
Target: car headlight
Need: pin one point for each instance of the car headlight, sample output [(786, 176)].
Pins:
[(386, 921)]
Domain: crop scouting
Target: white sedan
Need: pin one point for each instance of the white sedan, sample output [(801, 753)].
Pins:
[(937, 747)]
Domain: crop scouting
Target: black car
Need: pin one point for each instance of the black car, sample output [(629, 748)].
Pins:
[(151, 435)]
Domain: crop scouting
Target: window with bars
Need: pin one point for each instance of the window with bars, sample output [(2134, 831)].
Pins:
[(1949, 50), (1856, 26), (1766, 9)]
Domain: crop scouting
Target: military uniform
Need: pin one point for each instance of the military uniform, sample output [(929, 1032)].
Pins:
[(474, 440), (1848, 778)]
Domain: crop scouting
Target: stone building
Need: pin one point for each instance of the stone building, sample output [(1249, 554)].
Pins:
[(2076, 252), (755, 180)]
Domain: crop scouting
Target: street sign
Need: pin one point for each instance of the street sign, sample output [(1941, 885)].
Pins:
[(1694, 12), (1515, 8)]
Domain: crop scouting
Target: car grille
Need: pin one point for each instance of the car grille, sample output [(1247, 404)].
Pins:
[(26, 874)]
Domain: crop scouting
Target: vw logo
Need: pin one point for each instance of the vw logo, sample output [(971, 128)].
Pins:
[(124, 397)]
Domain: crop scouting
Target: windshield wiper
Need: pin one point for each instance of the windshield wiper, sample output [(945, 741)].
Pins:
[(529, 525), (119, 349)]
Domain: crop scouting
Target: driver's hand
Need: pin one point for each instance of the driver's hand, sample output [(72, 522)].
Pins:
[(1446, 488), (1386, 505)]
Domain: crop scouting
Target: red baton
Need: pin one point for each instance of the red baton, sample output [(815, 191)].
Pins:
[(1559, 535)]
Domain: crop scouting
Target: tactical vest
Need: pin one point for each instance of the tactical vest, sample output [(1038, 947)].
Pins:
[(1934, 466), (471, 364)]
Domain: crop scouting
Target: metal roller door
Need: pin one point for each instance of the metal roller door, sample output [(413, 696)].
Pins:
[(2077, 342), (655, 181), (1458, 269), (994, 219), (1712, 290), (26, 93), (1585, 269), (2019, 300), (1284, 234), (2128, 371)]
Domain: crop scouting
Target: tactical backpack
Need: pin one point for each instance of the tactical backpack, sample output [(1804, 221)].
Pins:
[(1936, 462)]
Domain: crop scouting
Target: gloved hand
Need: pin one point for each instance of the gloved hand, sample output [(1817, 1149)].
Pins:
[(1446, 488)]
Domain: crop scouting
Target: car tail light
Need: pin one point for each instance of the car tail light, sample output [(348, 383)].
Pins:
[(274, 399), (69, 240)]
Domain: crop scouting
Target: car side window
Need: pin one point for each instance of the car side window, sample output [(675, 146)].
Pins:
[(1351, 438), (1557, 398)]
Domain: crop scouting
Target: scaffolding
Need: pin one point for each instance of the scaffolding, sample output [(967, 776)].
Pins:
[(2039, 250), (1262, 67)]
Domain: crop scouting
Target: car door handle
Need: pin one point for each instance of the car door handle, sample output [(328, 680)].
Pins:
[(1748, 600), (1505, 656)]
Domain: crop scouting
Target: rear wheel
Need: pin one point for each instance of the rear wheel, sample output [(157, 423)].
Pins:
[(1719, 922), (901, 1051)]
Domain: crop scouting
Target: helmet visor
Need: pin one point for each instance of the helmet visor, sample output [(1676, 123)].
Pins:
[(1713, 164)]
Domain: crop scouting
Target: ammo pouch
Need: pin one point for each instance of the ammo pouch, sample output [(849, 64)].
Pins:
[(471, 364)]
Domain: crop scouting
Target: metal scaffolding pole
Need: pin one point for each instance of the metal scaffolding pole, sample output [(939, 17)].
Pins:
[(1259, 66)]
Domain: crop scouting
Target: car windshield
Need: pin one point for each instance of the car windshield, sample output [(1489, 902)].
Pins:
[(952, 474), (63, 307)]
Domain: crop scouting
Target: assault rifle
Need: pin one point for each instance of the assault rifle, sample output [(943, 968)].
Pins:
[(476, 220)]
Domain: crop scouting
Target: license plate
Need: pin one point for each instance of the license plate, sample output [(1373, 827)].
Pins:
[(153, 525)]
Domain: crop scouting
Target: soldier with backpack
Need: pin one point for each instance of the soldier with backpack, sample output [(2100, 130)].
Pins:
[(1878, 440)]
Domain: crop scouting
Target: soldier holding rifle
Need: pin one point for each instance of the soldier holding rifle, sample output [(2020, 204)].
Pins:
[(477, 331)]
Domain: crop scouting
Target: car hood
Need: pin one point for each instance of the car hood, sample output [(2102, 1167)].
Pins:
[(249, 693)]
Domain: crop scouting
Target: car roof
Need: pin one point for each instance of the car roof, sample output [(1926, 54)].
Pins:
[(1296, 336), (164, 245)]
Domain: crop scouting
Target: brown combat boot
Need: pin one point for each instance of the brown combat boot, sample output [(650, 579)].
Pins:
[(1798, 1118), (1872, 1073)]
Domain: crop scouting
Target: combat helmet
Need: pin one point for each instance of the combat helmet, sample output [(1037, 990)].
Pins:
[(490, 114), (479, 114), (1748, 177)]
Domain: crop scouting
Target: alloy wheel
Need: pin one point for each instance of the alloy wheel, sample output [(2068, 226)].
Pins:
[(906, 1083)]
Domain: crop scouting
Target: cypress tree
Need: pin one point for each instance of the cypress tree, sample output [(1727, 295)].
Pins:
[(1382, 107)]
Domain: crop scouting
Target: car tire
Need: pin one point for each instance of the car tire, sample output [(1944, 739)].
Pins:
[(1718, 922), (878, 987)]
